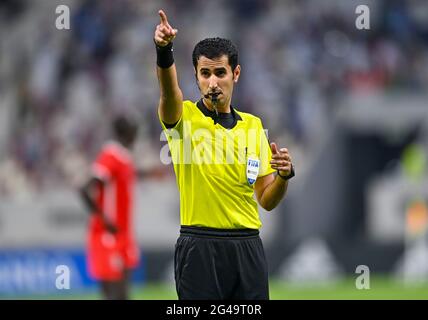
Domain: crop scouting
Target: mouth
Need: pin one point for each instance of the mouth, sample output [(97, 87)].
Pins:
[(212, 95)]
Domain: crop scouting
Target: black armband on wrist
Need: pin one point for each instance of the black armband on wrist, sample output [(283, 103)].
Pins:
[(291, 175), (165, 57)]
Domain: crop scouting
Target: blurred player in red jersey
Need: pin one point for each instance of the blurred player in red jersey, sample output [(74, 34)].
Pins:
[(112, 251)]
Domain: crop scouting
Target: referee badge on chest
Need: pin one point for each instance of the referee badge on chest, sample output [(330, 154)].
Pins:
[(252, 170)]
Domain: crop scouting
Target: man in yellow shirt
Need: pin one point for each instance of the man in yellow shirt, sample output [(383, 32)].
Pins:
[(221, 159)]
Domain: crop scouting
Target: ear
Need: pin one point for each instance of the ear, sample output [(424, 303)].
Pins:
[(236, 73)]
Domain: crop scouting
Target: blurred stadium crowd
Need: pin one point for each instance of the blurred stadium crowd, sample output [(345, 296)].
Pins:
[(60, 89)]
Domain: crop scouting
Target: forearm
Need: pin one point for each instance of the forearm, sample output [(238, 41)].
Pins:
[(274, 193), (170, 91), (88, 199), (89, 202), (171, 97)]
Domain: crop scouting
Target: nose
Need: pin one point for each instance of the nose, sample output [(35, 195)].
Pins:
[(213, 82)]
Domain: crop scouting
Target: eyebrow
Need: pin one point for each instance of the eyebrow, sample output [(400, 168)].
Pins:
[(215, 69)]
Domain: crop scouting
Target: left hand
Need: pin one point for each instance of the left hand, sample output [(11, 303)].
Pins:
[(281, 160)]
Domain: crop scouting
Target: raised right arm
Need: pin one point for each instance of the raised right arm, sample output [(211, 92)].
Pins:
[(171, 97)]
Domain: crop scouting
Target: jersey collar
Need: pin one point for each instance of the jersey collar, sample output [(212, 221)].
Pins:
[(208, 113)]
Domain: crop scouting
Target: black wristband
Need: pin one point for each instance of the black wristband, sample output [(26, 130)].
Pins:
[(291, 175), (165, 57)]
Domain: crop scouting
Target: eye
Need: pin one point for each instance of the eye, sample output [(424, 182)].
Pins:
[(205, 73), (220, 73)]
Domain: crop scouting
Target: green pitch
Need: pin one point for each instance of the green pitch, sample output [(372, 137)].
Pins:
[(381, 288)]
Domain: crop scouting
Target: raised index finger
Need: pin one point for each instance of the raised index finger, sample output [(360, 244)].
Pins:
[(163, 18)]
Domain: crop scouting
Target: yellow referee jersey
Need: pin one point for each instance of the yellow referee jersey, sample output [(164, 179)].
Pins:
[(216, 168)]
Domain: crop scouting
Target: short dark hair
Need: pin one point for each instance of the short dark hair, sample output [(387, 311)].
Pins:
[(124, 128), (215, 48)]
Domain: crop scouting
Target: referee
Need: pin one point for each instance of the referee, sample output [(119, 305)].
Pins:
[(219, 254)]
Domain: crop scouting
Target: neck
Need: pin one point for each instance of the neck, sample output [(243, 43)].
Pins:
[(124, 144), (223, 108)]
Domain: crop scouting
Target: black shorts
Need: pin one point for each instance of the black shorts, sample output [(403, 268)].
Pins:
[(220, 264)]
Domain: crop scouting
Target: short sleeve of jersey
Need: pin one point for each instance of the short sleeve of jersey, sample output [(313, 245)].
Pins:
[(177, 130), (104, 165), (265, 154)]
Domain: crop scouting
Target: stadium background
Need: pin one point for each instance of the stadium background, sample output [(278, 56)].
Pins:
[(350, 105)]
